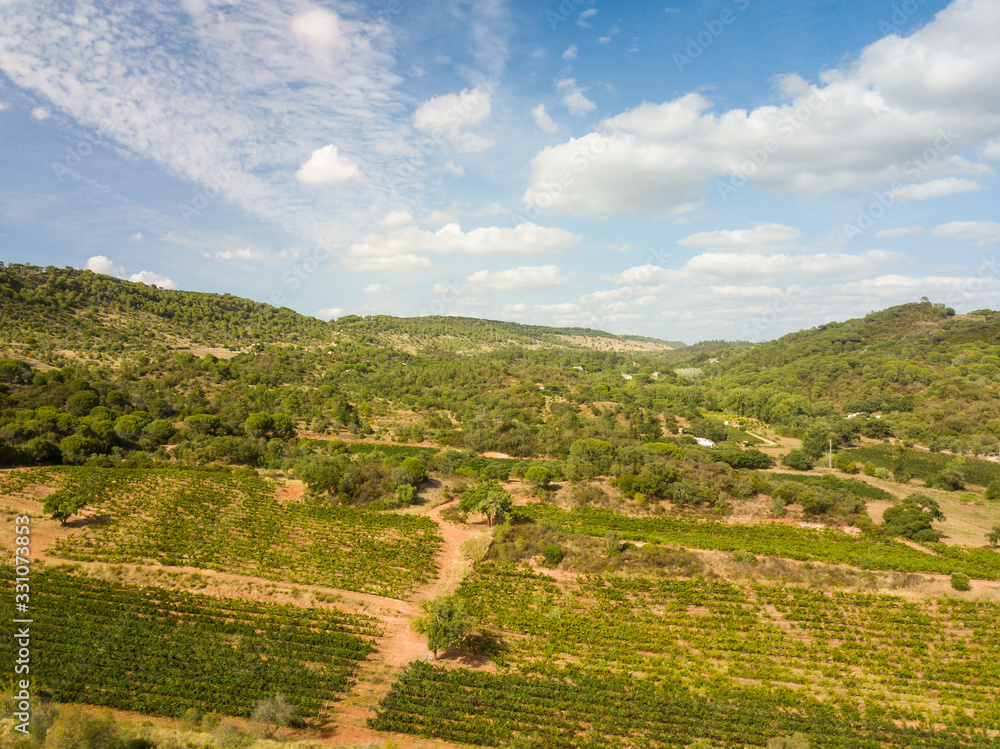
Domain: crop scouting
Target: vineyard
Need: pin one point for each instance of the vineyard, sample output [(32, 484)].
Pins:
[(162, 652), (233, 522), (775, 539), (925, 465), (634, 662)]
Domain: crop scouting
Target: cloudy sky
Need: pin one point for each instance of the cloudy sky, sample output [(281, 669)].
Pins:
[(687, 170)]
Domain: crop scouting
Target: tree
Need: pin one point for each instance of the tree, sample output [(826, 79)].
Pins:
[(960, 582), (798, 460), (540, 476), (993, 491), (62, 505), (275, 713), (74, 729), (80, 403), (496, 506), (912, 519), (445, 623), (994, 536), (258, 425)]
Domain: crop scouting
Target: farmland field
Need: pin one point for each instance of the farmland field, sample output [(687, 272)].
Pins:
[(162, 652), (233, 522), (610, 661)]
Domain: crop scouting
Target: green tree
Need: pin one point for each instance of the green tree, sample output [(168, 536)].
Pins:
[(912, 519), (993, 491), (496, 506), (445, 623), (993, 537), (960, 582), (258, 425), (80, 403), (540, 476), (74, 729), (62, 505), (276, 713), (76, 448), (798, 460)]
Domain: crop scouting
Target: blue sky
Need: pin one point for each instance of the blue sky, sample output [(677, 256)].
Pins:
[(687, 170)]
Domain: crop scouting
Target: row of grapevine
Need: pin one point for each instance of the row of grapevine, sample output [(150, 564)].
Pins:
[(161, 652)]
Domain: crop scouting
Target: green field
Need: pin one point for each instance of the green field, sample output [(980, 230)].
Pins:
[(773, 539), (163, 652), (632, 662), (922, 464), (233, 522)]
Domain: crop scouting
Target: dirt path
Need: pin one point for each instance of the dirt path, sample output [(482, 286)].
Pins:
[(399, 644)]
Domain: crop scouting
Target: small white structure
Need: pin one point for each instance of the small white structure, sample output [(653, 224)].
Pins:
[(705, 442), (626, 377)]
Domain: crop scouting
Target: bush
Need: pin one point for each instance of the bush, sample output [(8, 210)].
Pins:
[(553, 554), (797, 460), (960, 581)]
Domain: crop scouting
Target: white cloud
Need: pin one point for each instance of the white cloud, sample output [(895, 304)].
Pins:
[(581, 20), (903, 112), (524, 239), (244, 254), (327, 167), (573, 98), (376, 288), (101, 264), (761, 235), (991, 151), (330, 313), (230, 100), (542, 120), (452, 168), (516, 279), (152, 279), (40, 113), (4, 106), (395, 219), (319, 30), (937, 188), (137, 237), (571, 52), (903, 231), (450, 115), (620, 247), (603, 39), (980, 233), (436, 218), (401, 261)]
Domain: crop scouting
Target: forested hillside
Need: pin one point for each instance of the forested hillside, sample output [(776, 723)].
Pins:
[(609, 540)]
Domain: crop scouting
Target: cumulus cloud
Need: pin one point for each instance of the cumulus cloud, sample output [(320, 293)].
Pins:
[(902, 112), (524, 277), (451, 114), (991, 151), (937, 188), (244, 254), (376, 288), (573, 97), (137, 237), (395, 219), (903, 231), (524, 239), (101, 264), (582, 19), (319, 30), (40, 113), (542, 120), (330, 313), (980, 233), (571, 52), (327, 167), (399, 261), (452, 168), (152, 279), (761, 235)]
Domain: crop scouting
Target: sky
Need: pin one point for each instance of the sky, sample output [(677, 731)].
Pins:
[(697, 170)]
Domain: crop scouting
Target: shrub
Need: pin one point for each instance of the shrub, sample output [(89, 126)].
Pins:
[(553, 554), (960, 581), (797, 460)]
